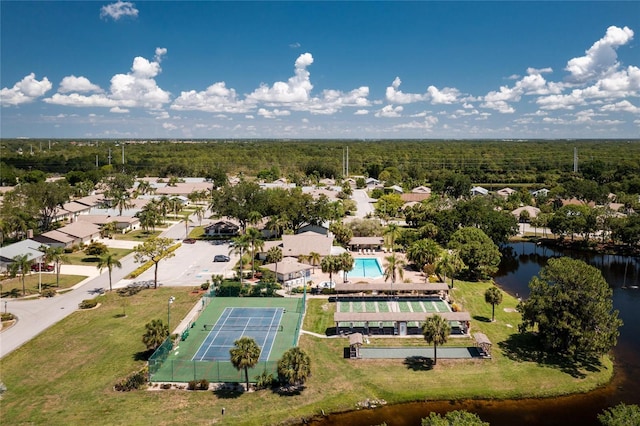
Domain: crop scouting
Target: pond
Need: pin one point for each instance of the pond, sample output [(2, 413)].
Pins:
[(522, 261)]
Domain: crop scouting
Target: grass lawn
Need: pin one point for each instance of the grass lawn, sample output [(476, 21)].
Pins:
[(94, 349), (13, 286), (80, 258)]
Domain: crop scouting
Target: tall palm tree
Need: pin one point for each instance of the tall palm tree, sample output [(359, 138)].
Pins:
[(346, 263), (254, 236), (314, 258), (493, 296), (274, 255), (392, 232), (294, 367), (57, 257), (144, 187), (199, 212), (244, 355), (436, 330), (330, 265), (450, 264), (240, 246), (186, 219), (254, 217), (395, 267), (109, 261), (164, 204), (23, 264)]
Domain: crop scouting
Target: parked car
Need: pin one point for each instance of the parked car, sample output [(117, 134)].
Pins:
[(221, 258), (42, 267), (189, 241)]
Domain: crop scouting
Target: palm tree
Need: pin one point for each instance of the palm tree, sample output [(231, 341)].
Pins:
[(330, 265), (23, 264), (274, 255), (257, 243), (57, 256), (346, 264), (149, 216), (121, 200), (450, 264), (144, 187), (493, 295), (108, 229), (314, 258), (186, 221), (395, 265), (199, 212), (294, 367), (253, 217), (240, 245), (244, 355), (393, 231), (164, 204), (435, 329), (155, 334), (109, 261), (423, 252)]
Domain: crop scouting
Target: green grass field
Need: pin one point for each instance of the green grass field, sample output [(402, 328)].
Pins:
[(66, 374), (13, 287), (80, 258)]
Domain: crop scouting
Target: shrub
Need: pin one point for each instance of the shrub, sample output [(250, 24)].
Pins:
[(264, 380), (88, 304), (133, 382), (192, 385), (48, 292), (6, 316), (166, 386), (203, 384), (205, 286)]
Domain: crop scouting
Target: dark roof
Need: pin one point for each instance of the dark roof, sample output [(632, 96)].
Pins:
[(396, 287), (397, 316)]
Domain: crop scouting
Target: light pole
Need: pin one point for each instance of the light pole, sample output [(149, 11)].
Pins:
[(171, 299)]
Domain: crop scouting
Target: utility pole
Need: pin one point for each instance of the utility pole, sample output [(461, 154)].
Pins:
[(109, 156), (96, 161), (123, 158), (575, 160)]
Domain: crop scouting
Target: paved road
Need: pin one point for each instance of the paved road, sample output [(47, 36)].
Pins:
[(35, 316)]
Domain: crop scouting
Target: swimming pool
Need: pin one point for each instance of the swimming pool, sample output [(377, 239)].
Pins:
[(366, 267)]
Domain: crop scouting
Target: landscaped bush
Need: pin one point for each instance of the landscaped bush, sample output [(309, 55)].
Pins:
[(150, 263), (133, 382), (192, 385), (48, 292), (203, 384), (7, 316), (88, 304), (205, 286)]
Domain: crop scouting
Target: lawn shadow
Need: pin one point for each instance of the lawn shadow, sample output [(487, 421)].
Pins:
[(526, 347), (228, 393), (418, 363), (90, 259), (481, 318), (289, 390), (120, 315), (331, 331)]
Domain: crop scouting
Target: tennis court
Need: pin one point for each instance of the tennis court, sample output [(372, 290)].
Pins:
[(203, 353), (261, 324)]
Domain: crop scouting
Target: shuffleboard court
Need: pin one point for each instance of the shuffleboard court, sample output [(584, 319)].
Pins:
[(261, 324)]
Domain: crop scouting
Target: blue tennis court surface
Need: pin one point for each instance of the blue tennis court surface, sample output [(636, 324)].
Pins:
[(261, 324)]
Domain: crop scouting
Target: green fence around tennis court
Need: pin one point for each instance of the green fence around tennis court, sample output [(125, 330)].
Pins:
[(175, 364)]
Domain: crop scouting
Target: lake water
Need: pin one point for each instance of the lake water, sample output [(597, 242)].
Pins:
[(521, 262)]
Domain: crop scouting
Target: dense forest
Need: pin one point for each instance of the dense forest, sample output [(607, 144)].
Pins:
[(409, 162)]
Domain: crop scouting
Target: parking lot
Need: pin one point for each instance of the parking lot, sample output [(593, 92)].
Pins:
[(192, 265)]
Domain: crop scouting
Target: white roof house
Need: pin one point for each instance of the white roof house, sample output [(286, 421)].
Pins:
[(478, 190), (25, 247), (505, 192)]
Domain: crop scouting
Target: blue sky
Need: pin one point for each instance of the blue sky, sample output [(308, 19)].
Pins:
[(206, 69)]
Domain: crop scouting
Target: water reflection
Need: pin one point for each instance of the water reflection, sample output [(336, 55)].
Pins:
[(522, 261)]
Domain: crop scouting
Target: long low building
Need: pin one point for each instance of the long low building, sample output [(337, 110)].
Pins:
[(400, 288)]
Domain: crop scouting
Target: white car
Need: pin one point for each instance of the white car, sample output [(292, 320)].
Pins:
[(327, 284)]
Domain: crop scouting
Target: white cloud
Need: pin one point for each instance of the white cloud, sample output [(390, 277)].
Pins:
[(388, 111), (217, 98), (137, 88), (296, 89), (426, 124), (624, 106), (26, 90), (601, 58), (273, 113), (395, 96), (77, 84), (447, 95), (169, 126), (361, 112), (118, 110), (118, 10)]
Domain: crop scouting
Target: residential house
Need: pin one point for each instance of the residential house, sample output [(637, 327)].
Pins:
[(478, 190), (290, 272), (124, 224), (222, 228), (544, 192), (305, 243), (505, 192), (73, 234), (27, 247), (531, 211)]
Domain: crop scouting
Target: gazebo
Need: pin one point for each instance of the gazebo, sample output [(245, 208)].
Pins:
[(355, 342), (483, 344)]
